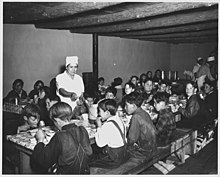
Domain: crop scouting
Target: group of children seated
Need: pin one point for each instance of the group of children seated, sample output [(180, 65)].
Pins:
[(70, 150)]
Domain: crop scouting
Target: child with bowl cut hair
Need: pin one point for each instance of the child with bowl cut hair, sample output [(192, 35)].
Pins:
[(31, 114), (110, 135), (69, 148)]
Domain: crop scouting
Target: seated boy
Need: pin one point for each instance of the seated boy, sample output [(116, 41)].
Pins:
[(84, 106), (110, 93), (142, 133), (31, 114), (165, 124), (69, 148), (110, 135), (51, 99)]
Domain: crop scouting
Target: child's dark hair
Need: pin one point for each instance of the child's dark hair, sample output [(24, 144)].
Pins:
[(38, 82), (44, 89), (111, 90), (101, 79), (133, 77), (148, 73), (194, 84), (108, 105), (60, 110), (117, 81), (210, 83), (130, 84), (161, 96), (134, 98), (18, 81), (163, 82), (89, 94), (31, 110)]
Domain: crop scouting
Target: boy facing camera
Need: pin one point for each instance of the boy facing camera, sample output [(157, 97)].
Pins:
[(166, 121), (31, 115)]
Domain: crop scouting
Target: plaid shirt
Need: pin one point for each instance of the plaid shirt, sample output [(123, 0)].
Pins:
[(165, 125)]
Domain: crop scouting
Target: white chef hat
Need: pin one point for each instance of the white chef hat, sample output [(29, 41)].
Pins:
[(212, 58), (72, 60)]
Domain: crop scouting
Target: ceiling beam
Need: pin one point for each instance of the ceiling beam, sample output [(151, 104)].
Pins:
[(176, 29), (173, 35), (184, 39), (192, 41), (164, 21), (144, 11), (17, 12)]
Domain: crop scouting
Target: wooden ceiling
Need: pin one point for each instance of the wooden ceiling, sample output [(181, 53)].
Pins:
[(171, 22)]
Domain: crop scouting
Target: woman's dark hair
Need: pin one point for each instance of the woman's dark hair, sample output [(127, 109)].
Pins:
[(161, 96), (134, 98), (31, 110), (18, 81), (108, 105), (60, 110)]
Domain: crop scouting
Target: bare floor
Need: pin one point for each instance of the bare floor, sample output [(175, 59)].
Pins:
[(204, 162)]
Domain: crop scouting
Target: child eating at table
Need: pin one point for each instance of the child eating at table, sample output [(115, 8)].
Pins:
[(69, 148), (142, 133), (110, 135), (165, 124), (31, 115)]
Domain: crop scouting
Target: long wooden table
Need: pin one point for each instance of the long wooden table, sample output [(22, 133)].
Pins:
[(25, 143)]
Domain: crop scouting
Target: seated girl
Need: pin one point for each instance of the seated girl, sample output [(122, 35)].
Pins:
[(69, 148), (110, 135), (38, 84)]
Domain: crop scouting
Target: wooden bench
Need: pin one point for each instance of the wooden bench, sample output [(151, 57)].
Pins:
[(183, 142)]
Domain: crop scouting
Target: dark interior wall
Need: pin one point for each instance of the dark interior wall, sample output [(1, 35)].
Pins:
[(183, 56), (32, 54), (126, 57)]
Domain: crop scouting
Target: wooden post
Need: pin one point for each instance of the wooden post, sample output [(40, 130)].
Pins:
[(95, 60)]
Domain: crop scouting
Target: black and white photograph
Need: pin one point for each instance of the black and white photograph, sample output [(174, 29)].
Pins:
[(109, 88)]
